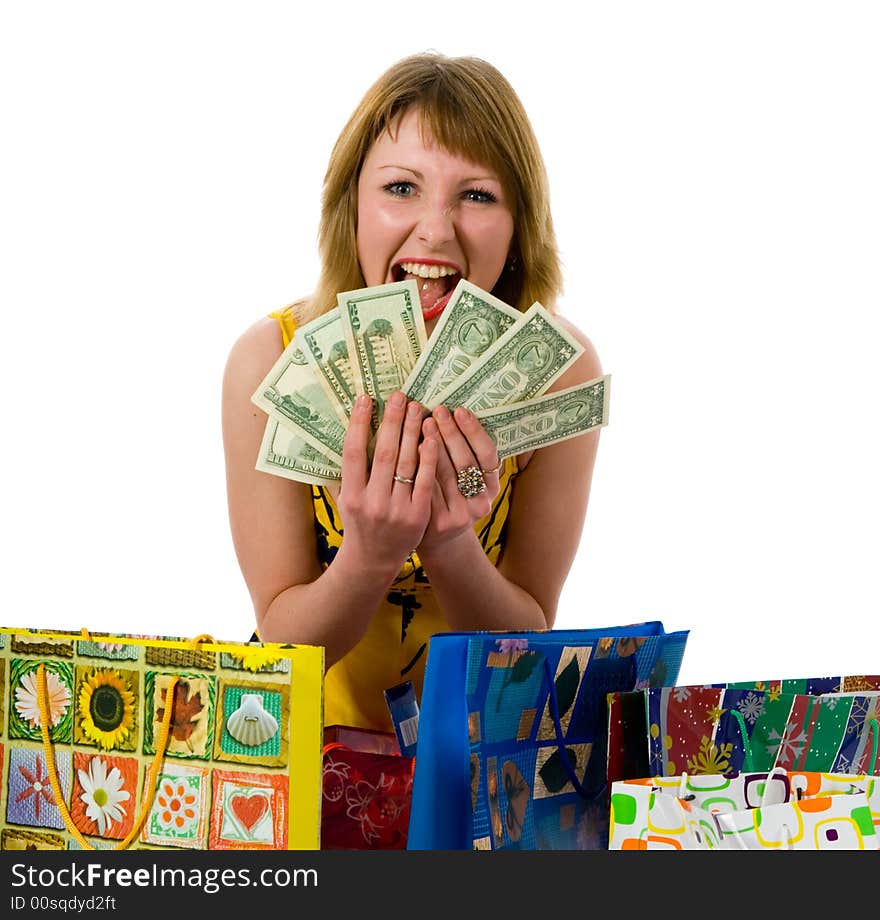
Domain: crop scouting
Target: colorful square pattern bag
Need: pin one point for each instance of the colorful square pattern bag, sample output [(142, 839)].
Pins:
[(147, 742)]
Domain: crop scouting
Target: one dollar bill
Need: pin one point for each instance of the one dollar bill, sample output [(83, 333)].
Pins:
[(470, 325), (549, 419), (521, 365)]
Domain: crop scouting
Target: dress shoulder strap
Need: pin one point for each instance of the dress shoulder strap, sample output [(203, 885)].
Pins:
[(286, 322)]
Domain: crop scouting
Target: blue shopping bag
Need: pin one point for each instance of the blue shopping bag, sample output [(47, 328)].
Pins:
[(512, 735)]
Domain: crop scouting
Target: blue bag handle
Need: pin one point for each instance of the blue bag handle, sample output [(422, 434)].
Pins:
[(553, 705)]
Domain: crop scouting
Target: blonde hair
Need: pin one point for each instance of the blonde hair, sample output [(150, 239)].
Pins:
[(472, 111)]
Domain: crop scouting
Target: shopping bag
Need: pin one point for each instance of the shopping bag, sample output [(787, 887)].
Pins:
[(816, 724), (775, 810), (149, 742), (511, 744), (367, 790)]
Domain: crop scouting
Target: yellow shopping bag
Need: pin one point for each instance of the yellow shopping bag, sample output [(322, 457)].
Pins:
[(151, 742)]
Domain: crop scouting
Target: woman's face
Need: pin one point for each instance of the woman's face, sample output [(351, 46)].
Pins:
[(430, 215)]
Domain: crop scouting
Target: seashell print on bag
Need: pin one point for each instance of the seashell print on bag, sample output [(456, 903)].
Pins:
[(251, 724)]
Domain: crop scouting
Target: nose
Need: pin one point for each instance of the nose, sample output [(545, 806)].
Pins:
[(436, 224)]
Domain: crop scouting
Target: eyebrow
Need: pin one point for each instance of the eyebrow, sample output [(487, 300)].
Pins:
[(418, 175)]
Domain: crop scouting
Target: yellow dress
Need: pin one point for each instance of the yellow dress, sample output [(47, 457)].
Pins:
[(394, 648)]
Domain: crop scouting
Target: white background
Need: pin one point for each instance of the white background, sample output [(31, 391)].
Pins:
[(716, 191)]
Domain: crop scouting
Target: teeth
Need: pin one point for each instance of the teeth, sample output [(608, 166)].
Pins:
[(427, 271)]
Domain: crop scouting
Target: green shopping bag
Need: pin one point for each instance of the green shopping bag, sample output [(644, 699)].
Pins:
[(819, 724)]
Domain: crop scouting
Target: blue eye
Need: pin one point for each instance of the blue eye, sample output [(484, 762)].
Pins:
[(479, 195), (400, 189)]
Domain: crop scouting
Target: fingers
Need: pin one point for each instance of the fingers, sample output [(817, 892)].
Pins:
[(446, 475), (480, 442), (468, 443), (458, 448), (354, 448), (426, 483), (408, 453), (387, 443)]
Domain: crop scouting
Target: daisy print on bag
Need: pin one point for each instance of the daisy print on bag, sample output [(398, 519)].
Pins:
[(24, 709), (103, 800)]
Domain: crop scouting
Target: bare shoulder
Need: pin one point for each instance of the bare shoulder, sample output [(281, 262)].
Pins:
[(587, 367), (257, 347), (252, 355)]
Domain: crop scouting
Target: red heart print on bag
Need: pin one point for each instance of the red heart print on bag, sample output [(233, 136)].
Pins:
[(249, 808)]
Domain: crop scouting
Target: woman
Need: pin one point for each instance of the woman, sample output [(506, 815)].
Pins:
[(436, 176)]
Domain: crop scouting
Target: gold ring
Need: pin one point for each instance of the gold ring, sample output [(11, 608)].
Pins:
[(494, 469), (397, 478), (471, 482)]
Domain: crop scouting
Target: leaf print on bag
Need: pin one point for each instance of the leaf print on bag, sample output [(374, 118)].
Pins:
[(492, 801), (519, 673), (191, 729), (553, 773), (517, 792), (629, 645), (183, 712), (567, 684)]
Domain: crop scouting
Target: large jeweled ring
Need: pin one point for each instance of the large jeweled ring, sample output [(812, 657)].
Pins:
[(471, 482)]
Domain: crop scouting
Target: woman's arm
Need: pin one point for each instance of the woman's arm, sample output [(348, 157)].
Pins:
[(545, 521), (272, 519)]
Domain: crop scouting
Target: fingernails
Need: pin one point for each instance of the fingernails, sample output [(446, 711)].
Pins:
[(362, 403), (463, 415), (397, 399), (442, 413), (413, 410)]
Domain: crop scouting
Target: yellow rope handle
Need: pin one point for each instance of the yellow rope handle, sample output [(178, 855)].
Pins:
[(202, 637), (194, 642), (149, 780)]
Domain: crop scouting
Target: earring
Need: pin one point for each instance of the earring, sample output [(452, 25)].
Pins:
[(511, 264)]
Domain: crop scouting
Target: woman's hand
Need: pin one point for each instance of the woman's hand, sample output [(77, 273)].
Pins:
[(462, 443), (385, 508)]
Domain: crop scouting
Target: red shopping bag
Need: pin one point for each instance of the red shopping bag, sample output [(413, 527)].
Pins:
[(367, 790)]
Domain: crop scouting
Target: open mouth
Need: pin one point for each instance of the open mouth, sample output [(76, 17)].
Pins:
[(436, 282)]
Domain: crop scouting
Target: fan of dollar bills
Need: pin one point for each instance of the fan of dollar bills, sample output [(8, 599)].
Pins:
[(483, 355)]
